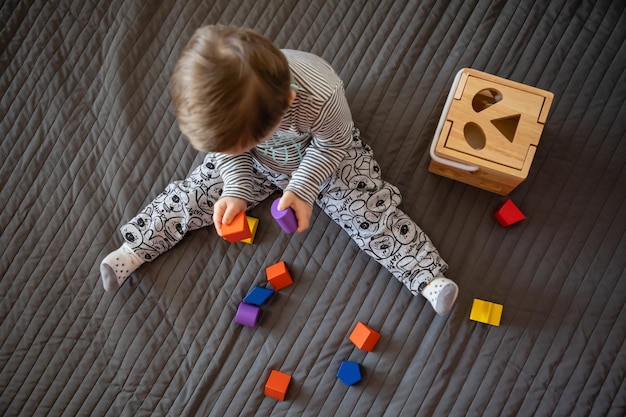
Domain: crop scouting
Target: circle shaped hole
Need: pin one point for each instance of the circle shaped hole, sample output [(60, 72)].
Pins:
[(474, 136)]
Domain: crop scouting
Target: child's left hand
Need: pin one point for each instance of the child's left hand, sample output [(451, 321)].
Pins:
[(300, 207)]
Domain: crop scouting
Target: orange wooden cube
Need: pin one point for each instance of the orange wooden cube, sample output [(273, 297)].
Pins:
[(364, 337), (277, 384), (278, 276), (238, 229)]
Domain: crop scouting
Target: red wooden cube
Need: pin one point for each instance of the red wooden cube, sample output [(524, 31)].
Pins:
[(508, 214)]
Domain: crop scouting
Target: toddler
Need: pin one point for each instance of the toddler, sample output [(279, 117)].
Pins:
[(271, 120)]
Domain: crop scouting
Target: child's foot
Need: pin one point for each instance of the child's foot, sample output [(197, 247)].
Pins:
[(441, 292), (117, 266)]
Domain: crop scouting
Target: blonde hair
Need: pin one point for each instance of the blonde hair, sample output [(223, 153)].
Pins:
[(230, 88)]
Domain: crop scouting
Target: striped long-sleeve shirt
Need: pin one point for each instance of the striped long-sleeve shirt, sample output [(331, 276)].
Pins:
[(311, 140)]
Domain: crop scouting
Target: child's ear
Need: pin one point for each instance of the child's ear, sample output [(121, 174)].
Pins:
[(292, 97)]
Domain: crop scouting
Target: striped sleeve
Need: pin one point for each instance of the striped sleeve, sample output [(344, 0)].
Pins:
[(319, 119), (236, 172), (323, 110)]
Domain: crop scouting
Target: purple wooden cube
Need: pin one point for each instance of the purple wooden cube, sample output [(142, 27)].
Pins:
[(285, 218), (247, 315)]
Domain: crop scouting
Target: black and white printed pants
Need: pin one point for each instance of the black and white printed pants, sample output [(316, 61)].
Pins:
[(356, 198)]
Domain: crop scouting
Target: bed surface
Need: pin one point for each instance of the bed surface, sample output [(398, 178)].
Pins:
[(88, 137)]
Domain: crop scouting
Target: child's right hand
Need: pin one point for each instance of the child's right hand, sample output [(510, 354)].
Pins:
[(225, 210)]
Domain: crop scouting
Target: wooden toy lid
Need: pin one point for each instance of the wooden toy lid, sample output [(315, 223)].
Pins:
[(493, 121)]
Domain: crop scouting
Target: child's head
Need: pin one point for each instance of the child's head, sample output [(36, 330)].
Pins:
[(230, 89)]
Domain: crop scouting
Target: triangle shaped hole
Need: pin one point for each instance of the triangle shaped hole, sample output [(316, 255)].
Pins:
[(507, 126)]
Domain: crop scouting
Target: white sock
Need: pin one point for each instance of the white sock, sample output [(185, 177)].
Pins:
[(117, 266), (441, 292)]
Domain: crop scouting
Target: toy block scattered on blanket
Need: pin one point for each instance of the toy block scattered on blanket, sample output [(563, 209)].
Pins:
[(253, 223), (364, 337), (277, 384), (247, 315), (285, 218), (486, 312), (349, 373), (237, 230), (278, 275), (509, 213), (258, 295)]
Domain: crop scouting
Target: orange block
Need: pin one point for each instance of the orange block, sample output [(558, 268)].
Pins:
[(278, 276), (364, 337), (277, 384), (238, 229)]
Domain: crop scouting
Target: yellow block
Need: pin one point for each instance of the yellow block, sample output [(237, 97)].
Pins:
[(486, 312), (253, 223)]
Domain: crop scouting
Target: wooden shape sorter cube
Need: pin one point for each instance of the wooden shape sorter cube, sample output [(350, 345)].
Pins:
[(489, 131)]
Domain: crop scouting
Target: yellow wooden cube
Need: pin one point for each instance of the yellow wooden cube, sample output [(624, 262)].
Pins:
[(253, 223), (486, 312), (489, 131)]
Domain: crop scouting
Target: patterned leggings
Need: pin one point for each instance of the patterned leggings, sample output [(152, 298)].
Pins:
[(356, 198)]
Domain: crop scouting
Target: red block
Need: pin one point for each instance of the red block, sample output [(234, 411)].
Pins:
[(238, 229), (508, 213), (278, 276)]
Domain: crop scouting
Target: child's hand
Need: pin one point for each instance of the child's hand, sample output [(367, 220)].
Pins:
[(300, 207), (225, 210)]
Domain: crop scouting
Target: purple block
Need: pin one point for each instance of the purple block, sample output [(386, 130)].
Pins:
[(247, 315), (285, 218)]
